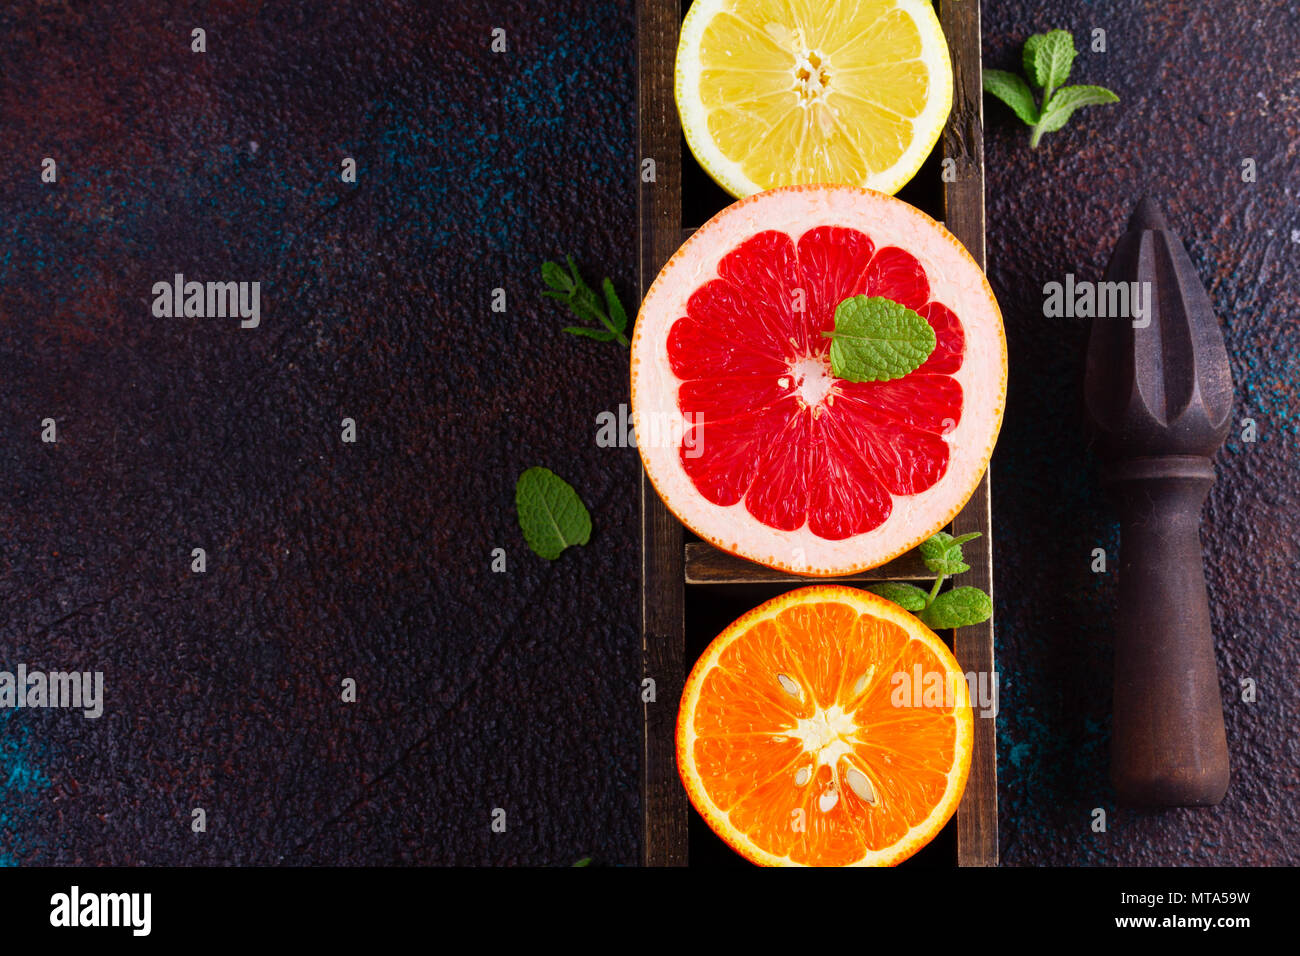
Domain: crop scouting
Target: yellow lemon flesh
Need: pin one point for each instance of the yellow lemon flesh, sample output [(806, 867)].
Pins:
[(783, 92)]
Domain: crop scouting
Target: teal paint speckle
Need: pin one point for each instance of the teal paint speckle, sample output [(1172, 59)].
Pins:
[(20, 779)]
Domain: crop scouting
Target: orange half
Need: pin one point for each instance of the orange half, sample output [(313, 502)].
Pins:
[(827, 727)]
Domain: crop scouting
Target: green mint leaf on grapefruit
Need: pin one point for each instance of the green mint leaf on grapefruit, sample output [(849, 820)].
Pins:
[(907, 596), (1014, 91), (551, 515), (959, 607), (607, 318), (877, 340)]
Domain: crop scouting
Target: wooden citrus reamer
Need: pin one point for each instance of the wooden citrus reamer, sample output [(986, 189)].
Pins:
[(1158, 392)]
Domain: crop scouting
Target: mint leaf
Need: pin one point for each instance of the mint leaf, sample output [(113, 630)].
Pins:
[(959, 607), (1067, 99), (617, 315), (934, 546), (1053, 59), (581, 291), (585, 861), (907, 596), (551, 515), (877, 340), (949, 562), (1014, 91), (553, 275), (1030, 59), (583, 310), (600, 335), (941, 552)]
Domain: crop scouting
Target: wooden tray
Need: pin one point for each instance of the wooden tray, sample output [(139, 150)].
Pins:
[(690, 590)]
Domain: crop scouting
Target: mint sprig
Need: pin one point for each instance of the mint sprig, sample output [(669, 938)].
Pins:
[(1048, 59), (877, 340), (607, 320), (958, 607)]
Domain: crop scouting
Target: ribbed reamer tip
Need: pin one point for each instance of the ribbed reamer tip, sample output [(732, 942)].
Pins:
[(1158, 381), (1148, 216)]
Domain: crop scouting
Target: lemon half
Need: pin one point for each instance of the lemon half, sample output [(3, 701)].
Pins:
[(783, 92)]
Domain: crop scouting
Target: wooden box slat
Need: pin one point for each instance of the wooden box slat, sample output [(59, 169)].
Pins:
[(963, 199), (663, 594), (706, 564), (977, 814), (670, 563)]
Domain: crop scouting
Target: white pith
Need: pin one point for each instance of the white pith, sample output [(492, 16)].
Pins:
[(813, 73), (955, 280), (811, 376), (825, 735)]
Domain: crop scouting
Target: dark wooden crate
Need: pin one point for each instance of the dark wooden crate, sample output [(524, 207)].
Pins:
[(690, 589)]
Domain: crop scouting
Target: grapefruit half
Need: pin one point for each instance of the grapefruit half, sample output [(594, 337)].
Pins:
[(827, 727), (744, 431)]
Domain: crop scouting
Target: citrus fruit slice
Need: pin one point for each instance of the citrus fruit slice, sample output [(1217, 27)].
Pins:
[(827, 727), (744, 431), (780, 92)]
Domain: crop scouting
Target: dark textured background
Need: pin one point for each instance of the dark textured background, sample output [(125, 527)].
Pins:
[(519, 690), (476, 690)]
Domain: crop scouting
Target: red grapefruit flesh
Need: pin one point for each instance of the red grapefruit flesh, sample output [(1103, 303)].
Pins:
[(745, 432)]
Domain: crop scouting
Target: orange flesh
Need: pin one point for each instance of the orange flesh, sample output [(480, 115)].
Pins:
[(748, 754)]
